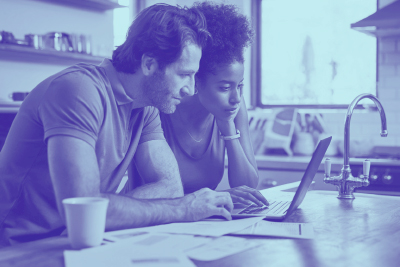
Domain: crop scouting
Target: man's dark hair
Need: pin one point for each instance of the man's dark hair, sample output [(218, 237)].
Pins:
[(160, 31), (231, 32)]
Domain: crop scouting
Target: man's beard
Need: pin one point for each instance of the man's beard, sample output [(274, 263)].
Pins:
[(157, 90)]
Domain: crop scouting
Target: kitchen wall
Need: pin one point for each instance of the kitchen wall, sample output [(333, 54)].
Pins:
[(26, 16)]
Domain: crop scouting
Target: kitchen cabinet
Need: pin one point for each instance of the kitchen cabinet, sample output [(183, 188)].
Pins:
[(283, 170), (281, 177), (25, 53), (384, 173), (99, 5), (284, 177)]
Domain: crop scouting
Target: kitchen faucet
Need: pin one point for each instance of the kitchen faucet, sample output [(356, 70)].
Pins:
[(345, 182)]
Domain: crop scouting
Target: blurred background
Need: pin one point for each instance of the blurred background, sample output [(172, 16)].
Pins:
[(309, 60)]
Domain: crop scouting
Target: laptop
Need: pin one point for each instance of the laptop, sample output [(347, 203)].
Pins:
[(279, 210)]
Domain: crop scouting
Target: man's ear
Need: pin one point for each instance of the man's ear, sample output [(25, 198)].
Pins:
[(197, 82), (149, 65)]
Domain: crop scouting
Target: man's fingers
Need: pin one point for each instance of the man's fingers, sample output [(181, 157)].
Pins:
[(229, 204), (224, 199), (223, 212)]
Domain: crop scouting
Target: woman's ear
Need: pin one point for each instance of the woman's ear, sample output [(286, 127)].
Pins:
[(149, 65)]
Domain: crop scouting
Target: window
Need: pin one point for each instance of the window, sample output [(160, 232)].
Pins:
[(123, 18), (310, 55)]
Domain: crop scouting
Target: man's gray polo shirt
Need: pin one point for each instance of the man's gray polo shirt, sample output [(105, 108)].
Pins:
[(84, 101)]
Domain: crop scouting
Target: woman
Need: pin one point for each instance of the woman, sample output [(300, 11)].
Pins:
[(215, 118)]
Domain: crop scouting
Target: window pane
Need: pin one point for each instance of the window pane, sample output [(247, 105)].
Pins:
[(122, 21), (310, 55)]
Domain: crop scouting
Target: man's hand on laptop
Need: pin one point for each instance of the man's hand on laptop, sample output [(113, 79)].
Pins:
[(205, 203), (247, 195)]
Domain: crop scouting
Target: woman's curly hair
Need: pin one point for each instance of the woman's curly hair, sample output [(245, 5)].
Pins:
[(230, 31)]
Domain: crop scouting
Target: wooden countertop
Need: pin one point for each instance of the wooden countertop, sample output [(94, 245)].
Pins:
[(361, 232)]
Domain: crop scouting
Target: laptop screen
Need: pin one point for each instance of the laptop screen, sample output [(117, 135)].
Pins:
[(309, 174)]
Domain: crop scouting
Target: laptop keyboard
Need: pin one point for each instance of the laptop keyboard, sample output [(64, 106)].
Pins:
[(275, 207)]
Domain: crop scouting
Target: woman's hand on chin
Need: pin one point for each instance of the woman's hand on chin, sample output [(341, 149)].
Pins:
[(226, 127)]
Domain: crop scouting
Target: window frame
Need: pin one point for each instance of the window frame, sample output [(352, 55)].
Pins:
[(256, 92)]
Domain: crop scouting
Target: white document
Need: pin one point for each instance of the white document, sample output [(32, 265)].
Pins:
[(160, 241), (123, 234), (209, 227), (128, 253), (221, 247), (279, 229)]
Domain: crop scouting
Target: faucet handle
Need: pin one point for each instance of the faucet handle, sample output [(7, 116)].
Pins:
[(328, 165), (366, 167)]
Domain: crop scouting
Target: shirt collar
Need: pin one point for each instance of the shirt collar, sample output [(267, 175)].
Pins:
[(119, 92)]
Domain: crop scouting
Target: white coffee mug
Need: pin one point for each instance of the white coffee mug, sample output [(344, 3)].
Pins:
[(86, 220)]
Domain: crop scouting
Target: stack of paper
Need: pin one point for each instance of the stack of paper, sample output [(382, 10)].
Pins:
[(214, 228), (158, 249), (173, 244), (279, 229), (124, 254), (220, 248)]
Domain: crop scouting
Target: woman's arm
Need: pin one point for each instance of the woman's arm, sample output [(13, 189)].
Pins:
[(242, 166)]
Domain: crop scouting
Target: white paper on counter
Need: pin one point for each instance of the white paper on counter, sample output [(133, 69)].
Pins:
[(279, 229), (127, 253), (215, 227), (123, 234), (160, 241), (221, 247)]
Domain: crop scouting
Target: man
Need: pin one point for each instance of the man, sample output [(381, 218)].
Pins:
[(78, 130)]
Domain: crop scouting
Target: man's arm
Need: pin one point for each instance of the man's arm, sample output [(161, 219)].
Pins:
[(74, 173), (158, 167)]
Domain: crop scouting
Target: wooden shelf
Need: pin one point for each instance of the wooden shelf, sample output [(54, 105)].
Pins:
[(25, 53), (9, 106), (100, 5)]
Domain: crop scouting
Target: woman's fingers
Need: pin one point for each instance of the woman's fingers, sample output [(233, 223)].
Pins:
[(237, 199), (260, 197), (256, 194), (251, 197), (248, 193)]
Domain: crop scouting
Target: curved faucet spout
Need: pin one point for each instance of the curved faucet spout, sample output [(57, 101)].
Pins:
[(384, 131)]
